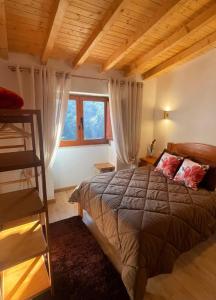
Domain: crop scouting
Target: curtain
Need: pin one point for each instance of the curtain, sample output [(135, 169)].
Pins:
[(126, 109), (47, 90)]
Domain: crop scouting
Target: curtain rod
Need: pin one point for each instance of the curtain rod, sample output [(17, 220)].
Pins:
[(13, 69), (22, 68)]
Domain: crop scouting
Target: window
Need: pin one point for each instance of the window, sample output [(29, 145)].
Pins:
[(87, 121)]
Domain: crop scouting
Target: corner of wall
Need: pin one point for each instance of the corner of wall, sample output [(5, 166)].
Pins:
[(149, 100)]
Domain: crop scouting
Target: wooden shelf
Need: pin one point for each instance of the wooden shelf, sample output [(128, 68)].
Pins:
[(21, 243), (20, 222), (23, 272), (15, 119), (19, 204), (25, 280), (18, 160)]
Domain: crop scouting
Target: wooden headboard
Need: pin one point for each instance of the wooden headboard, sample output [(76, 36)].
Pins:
[(200, 152)]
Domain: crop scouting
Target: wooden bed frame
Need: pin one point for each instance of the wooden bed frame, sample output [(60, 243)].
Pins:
[(201, 152)]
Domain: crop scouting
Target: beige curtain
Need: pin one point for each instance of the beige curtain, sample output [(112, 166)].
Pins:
[(126, 109), (47, 90), (53, 89)]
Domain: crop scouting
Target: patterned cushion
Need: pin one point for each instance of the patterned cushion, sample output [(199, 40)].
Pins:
[(191, 173), (168, 164)]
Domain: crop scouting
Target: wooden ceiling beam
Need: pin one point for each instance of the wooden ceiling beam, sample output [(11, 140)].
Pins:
[(55, 24), (160, 15), (111, 15), (3, 32), (197, 48), (197, 23)]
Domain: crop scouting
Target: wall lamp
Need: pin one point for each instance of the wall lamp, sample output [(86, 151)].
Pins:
[(166, 114)]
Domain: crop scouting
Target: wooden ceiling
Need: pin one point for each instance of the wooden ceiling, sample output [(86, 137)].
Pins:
[(144, 37)]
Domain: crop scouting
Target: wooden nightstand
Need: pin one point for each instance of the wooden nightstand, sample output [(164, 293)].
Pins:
[(104, 167), (148, 160)]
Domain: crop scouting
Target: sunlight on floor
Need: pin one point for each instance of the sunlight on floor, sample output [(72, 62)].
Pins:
[(61, 208)]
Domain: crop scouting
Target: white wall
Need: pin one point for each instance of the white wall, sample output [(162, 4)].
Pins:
[(189, 92), (75, 164)]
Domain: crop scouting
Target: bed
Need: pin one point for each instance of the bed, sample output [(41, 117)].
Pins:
[(144, 221)]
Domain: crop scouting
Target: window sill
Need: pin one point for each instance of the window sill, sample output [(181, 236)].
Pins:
[(64, 144)]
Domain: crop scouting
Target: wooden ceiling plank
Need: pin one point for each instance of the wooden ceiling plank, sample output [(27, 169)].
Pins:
[(162, 13), (80, 21), (3, 32), (90, 7), (40, 5), (111, 15), (197, 23), (56, 22), (24, 17), (84, 12), (198, 47), (120, 30), (18, 6)]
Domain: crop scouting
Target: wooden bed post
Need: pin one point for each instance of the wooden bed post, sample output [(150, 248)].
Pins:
[(80, 210)]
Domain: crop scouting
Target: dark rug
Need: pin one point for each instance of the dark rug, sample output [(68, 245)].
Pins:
[(81, 269)]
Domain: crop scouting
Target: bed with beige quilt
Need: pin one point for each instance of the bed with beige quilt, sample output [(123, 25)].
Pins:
[(147, 219)]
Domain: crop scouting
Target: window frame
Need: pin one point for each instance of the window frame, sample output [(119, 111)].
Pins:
[(79, 121)]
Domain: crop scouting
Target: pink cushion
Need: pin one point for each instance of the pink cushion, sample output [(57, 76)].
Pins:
[(191, 173), (168, 164), (9, 99)]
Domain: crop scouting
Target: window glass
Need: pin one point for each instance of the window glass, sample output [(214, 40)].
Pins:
[(70, 126), (93, 120)]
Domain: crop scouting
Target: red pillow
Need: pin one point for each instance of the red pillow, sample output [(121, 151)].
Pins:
[(191, 173), (168, 164), (173, 153), (159, 157), (9, 99)]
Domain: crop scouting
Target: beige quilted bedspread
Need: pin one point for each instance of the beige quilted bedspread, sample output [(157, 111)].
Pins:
[(149, 219)]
